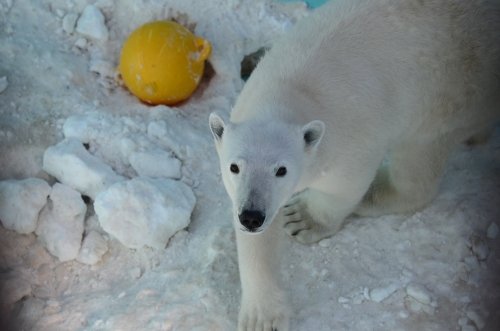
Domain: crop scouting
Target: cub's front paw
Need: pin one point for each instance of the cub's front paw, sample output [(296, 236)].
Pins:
[(303, 222), (264, 317)]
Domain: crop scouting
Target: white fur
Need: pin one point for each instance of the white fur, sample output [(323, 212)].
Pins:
[(404, 81)]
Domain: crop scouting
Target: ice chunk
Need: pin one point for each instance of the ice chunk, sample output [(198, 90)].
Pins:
[(21, 202), (419, 299), (60, 227), (68, 22), (419, 293), (156, 163), (94, 246), (158, 130), (343, 300), (3, 83), (379, 294), (81, 43), (492, 231), (73, 165), (144, 211), (479, 248), (358, 295), (91, 24)]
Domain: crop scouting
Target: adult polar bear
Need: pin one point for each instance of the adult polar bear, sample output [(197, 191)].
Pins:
[(356, 82)]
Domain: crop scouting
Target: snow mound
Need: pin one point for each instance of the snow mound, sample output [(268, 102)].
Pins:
[(73, 165), (21, 202), (60, 226), (145, 212)]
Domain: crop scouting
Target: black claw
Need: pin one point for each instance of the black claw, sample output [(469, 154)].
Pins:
[(292, 222), (299, 231)]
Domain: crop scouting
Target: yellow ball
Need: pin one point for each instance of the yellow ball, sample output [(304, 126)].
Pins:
[(162, 62)]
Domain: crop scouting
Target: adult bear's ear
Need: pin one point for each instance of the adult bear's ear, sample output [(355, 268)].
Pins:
[(216, 126), (312, 133)]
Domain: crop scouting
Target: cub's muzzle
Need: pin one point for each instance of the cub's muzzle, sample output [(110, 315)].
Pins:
[(252, 220)]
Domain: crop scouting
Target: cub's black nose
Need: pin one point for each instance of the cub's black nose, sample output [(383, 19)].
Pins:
[(251, 219)]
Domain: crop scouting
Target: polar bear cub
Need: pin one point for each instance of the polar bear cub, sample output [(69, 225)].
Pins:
[(353, 111)]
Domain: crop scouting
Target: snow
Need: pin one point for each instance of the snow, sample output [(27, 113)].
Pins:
[(69, 22), (94, 246), (91, 24), (4, 83), (60, 226), (144, 211), (379, 294), (476, 319), (479, 247), (20, 203), (14, 289), (73, 165), (155, 164), (419, 293), (62, 86), (492, 231), (81, 43)]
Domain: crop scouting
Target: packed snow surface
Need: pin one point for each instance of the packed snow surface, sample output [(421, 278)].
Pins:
[(65, 119)]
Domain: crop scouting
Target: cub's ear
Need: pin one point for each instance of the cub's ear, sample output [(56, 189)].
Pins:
[(312, 133), (216, 126)]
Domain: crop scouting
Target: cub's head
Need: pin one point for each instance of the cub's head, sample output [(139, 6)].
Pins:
[(262, 164)]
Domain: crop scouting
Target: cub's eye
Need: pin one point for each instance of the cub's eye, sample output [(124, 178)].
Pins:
[(281, 172), (234, 169)]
